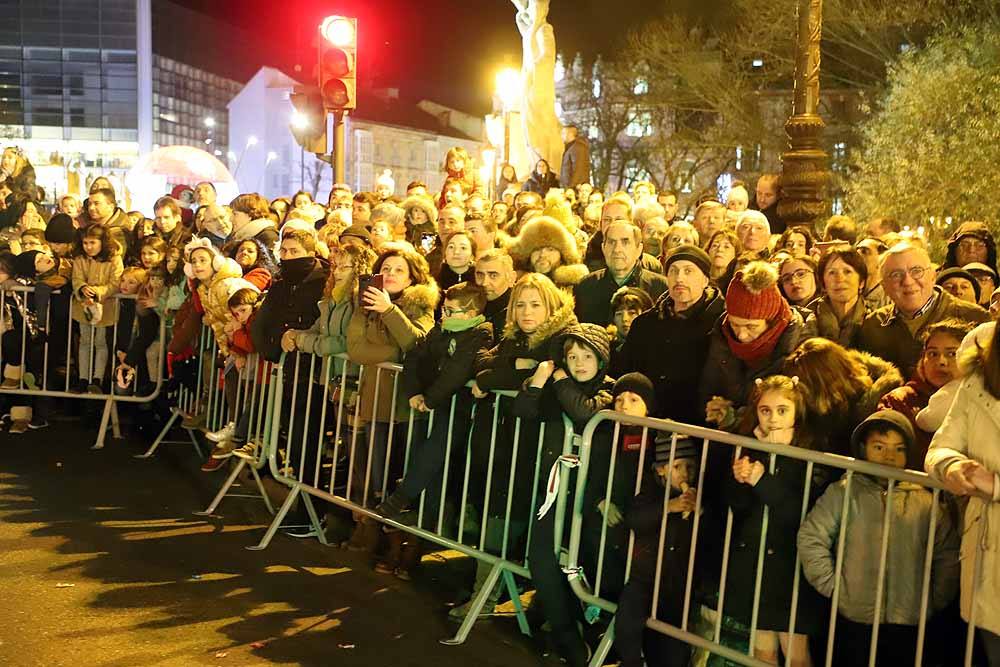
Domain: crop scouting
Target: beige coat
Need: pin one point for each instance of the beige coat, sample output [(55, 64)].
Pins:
[(214, 298), (103, 277), (972, 431)]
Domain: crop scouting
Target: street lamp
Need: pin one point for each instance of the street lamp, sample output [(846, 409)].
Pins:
[(489, 170), (251, 141), (508, 89), (209, 122), (301, 122)]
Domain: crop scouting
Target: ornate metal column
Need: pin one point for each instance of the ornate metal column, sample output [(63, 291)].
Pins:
[(805, 170)]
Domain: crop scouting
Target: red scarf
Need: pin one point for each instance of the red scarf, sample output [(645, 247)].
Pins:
[(754, 352)]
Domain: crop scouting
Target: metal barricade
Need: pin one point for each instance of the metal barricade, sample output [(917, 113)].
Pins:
[(24, 337), (685, 564), (305, 447)]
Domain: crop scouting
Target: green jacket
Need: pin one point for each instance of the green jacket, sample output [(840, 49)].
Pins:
[(328, 334), (885, 334)]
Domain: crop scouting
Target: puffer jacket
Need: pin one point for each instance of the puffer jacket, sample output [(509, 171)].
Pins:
[(103, 278), (373, 339), (912, 506), (971, 431), (214, 297)]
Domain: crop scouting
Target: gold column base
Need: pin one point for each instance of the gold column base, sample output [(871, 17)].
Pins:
[(805, 172)]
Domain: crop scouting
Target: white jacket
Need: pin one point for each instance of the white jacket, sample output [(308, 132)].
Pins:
[(972, 431)]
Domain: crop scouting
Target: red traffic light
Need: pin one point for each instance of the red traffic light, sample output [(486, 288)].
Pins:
[(336, 62), (338, 30), (335, 93)]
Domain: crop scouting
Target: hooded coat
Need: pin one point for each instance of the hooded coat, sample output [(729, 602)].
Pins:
[(414, 233), (214, 296), (912, 507), (262, 229), (495, 370), (374, 339), (545, 231), (971, 431), (977, 230)]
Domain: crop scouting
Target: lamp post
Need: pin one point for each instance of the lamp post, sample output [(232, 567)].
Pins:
[(251, 141), (300, 122), (508, 87), (805, 168)]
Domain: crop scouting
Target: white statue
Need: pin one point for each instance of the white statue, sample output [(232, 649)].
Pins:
[(541, 125)]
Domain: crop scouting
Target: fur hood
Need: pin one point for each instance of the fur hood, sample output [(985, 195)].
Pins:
[(568, 275), (417, 301), (557, 321), (251, 229), (423, 203), (885, 377), (545, 231)]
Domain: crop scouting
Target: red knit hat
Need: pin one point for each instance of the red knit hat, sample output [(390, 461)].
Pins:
[(753, 293)]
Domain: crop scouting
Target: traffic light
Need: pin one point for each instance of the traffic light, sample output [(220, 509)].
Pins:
[(338, 62), (308, 122)]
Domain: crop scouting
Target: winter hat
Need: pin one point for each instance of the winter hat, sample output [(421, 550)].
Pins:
[(638, 384), (690, 253), (955, 272), (593, 336), (60, 229), (636, 294), (385, 178), (24, 264), (973, 228), (686, 449), (975, 267), (358, 232), (882, 419), (753, 293)]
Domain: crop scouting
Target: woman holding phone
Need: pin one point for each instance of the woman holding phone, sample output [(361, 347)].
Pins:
[(396, 309)]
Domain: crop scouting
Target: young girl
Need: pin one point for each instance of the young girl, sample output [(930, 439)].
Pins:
[(132, 280), (459, 257), (152, 253), (774, 415), (97, 268)]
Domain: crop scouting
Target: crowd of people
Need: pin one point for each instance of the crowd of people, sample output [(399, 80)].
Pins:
[(842, 337)]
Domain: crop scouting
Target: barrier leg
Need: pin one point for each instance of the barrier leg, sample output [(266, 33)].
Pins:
[(105, 419), (515, 597), (116, 430), (210, 510), (194, 443), (314, 519), (604, 647), (476, 607), (263, 491), (174, 416), (278, 518)]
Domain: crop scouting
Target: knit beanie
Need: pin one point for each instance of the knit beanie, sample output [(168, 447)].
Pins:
[(753, 293), (685, 449), (638, 384), (60, 229), (690, 253), (639, 295), (956, 272), (24, 264), (593, 336), (358, 232)]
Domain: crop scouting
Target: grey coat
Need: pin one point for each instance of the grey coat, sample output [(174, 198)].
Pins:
[(908, 531), (328, 334)]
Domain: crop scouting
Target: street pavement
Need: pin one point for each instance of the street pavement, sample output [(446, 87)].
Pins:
[(102, 563)]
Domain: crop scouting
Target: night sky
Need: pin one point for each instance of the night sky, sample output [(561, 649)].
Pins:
[(445, 50)]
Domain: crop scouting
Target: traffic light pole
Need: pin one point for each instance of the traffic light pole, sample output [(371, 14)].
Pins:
[(338, 147)]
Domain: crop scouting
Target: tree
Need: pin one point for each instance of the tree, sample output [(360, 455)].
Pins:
[(931, 147)]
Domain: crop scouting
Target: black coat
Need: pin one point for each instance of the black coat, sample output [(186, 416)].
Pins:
[(593, 293), (782, 494), (440, 365), (496, 314), (288, 306), (540, 184), (672, 350)]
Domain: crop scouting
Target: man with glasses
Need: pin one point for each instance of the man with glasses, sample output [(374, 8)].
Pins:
[(893, 332), (972, 242)]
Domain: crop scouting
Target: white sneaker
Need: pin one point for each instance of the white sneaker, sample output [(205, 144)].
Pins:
[(223, 434), (247, 451)]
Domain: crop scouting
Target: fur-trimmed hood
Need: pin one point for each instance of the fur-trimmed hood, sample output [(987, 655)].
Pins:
[(417, 301), (251, 229), (885, 377), (568, 275), (556, 322), (426, 204), (541, 232)]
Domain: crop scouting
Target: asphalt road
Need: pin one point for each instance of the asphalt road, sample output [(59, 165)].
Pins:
[(103, 564)]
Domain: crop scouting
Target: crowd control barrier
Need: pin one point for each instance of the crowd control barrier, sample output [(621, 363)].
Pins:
[(42, 359), (683, 565), (323, 447)]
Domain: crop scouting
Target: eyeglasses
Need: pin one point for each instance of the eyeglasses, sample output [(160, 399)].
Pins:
[(972, 244), (915, 272), (449, 312), (795, 276)]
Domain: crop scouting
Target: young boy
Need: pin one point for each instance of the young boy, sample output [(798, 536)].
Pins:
[(937, 367), (645, 517), (626, 305), (885, 438)]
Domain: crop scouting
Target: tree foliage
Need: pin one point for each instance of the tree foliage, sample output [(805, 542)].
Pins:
[(932, 145)]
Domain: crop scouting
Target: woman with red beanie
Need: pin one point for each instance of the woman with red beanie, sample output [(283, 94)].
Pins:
[(750, 341)]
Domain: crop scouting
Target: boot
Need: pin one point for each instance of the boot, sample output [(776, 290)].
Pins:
[(482, 572), (365, 537), (393, 555), (409, 558), (393, 506)]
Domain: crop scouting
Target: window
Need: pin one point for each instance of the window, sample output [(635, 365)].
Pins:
[(560, 72), (593, 132), (641, 125), (739, 158), (641, 86), (363, 158), (597, 87)]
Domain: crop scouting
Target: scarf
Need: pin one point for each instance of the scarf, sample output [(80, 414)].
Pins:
[(757, 350), (456, 325), (294, 271)]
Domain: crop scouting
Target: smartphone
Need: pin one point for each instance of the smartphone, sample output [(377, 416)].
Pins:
[(427, 242), (368, 280)]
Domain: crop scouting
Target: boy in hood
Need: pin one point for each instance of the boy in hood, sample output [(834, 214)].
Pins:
[(884, 438)]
